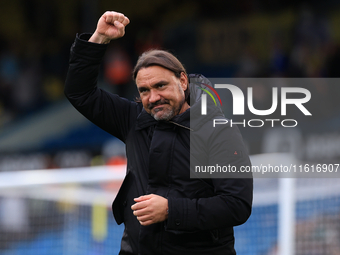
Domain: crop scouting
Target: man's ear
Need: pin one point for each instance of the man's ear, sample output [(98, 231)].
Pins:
[(184, 81)]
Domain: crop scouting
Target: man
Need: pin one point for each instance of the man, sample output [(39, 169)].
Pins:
[(164, 210)]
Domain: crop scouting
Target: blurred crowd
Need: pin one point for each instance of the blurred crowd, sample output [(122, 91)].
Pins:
[(33, 58), (30, 82), (34, 48)]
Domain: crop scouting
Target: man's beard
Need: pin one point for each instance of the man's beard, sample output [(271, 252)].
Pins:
[(169, 113)]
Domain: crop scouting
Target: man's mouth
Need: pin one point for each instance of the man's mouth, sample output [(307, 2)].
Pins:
[(158, 106)]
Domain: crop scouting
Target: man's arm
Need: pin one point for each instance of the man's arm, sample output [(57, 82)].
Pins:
[(230, 198), (108, 111), (229, 206)]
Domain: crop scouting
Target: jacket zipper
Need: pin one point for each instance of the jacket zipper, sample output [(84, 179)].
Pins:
[(180, 125)]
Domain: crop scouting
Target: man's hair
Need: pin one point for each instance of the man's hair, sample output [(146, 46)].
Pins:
[(163, 59)]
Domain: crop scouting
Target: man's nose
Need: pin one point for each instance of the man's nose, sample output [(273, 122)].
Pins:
[(154, 96)]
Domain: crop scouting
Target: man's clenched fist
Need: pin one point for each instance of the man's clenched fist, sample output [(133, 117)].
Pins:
[(150, 209), (111, 25)]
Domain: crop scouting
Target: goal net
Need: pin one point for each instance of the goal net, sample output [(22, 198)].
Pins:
[(64, 211), (314, 215), (68, 211)]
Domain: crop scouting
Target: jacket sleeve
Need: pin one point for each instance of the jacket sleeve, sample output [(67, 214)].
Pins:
[(230, 200), (108, 111)]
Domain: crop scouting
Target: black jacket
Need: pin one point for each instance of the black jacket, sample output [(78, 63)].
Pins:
[(202, 212)]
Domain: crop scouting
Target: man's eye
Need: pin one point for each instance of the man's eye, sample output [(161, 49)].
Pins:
[(161, 85)]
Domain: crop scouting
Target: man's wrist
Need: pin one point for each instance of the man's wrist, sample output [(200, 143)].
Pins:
[(98, 38), (88, 50)]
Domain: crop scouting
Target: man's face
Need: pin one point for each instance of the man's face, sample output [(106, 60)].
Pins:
[(161, 92)]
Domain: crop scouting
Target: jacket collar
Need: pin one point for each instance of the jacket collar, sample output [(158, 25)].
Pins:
[(145, 120), (199, 85)]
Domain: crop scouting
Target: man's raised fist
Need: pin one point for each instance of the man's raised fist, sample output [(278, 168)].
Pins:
[(110, 26)]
